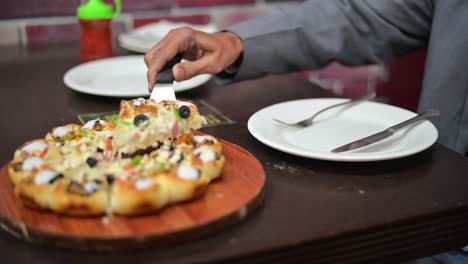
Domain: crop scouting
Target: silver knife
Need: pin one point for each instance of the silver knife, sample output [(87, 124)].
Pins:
[(384, 133), (164, 86)]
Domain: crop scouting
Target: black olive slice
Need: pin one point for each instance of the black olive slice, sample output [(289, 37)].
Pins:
[(55, 178), (110, 178), (142, 152), (181, 158), (184, 111), (91, 162), (140, 121)]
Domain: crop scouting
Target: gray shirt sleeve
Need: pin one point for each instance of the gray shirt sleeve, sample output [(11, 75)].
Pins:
[(314, 33)]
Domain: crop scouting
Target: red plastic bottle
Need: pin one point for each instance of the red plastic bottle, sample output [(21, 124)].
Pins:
[(96, 34), (96, 40)]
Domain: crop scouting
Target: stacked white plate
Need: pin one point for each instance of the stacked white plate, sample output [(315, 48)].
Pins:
[(144, 38)]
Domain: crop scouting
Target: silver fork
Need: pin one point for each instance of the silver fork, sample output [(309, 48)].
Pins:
[(308, 121)]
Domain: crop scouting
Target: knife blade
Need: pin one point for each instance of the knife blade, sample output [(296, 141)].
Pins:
[(164, 86), (374, 138)]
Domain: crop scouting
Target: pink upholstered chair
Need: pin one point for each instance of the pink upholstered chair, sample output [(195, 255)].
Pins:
[(398, 83)]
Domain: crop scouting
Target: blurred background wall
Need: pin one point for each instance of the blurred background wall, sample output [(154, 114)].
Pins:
[(25, 22), (38, 22)]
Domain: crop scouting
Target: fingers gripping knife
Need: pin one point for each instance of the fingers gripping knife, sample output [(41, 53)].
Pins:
[(164, 86)]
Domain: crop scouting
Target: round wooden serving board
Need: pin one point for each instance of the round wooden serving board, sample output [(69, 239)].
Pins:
[(227, 201)]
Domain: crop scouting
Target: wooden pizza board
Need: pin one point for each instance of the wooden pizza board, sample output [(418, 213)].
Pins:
[(227, 201)]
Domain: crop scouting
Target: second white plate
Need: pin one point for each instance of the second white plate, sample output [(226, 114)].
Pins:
[(144, 38), (340, 126), (123, 76)]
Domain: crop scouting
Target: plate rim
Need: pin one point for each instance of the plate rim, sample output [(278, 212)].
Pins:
[(131, 47), (337, 156)]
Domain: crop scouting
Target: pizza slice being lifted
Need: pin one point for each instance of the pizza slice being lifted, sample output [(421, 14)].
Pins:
[(142, 123)]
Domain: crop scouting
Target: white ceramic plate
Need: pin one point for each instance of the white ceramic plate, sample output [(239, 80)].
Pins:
[(123, 76), (144, 38), (339, 126)]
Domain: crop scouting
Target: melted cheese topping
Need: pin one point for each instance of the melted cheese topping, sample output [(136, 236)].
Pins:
[(44, 177), (129, 138), (35, 146), (60, 132), (163, 155), (142, 184), (116, 168), (31, 163), (187, 172), (77, 156), (205, 154)]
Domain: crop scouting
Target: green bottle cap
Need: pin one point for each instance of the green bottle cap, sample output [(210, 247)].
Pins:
[(96, 9)]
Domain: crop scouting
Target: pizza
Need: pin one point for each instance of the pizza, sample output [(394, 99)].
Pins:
[(149, 158)]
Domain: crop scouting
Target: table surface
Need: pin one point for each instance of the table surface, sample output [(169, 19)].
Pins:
[(314, 211)]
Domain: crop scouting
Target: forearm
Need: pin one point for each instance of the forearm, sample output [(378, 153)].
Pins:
[(314, 33)]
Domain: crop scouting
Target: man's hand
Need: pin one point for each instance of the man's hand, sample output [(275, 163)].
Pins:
[(205, 52)]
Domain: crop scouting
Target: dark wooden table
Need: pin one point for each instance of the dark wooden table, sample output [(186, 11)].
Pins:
[(314, 212)]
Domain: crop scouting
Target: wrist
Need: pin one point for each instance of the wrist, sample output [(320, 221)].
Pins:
[(236, 46), (236, 43)]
